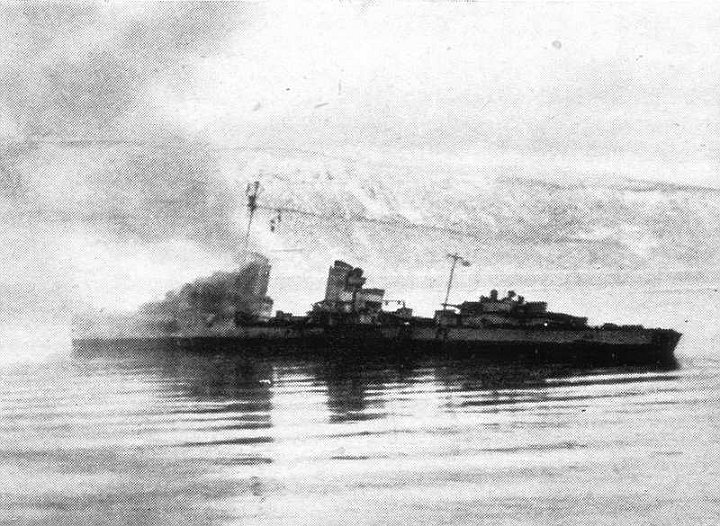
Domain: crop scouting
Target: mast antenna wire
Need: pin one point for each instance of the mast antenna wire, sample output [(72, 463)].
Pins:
[(364, 219)]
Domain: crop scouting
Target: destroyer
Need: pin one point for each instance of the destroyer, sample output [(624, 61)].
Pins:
[(233, 309)]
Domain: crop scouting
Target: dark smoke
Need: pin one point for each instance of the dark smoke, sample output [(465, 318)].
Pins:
[(221, 295)]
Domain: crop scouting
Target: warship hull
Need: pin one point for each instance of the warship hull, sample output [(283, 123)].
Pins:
[(586, 346)]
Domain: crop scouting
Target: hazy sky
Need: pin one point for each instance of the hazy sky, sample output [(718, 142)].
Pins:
[(630, 86), (577, 89)]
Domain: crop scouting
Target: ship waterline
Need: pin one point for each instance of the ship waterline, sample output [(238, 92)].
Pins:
[(621, 346)]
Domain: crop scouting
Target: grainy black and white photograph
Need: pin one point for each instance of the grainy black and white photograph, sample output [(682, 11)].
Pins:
[(359, 262)]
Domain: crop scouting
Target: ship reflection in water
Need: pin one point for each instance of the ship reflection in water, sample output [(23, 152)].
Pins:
[(177, 437)]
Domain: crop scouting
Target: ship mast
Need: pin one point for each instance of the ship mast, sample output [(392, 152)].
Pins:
[(252, 192), (455, 258)]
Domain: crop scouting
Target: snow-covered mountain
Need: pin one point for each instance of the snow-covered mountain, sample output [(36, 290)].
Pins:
[(505, 222)]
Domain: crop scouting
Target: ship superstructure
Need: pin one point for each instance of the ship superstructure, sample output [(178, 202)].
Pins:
[(347, 301), (509, 311)]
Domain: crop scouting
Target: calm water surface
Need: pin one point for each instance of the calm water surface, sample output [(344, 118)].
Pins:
[(180, 438)]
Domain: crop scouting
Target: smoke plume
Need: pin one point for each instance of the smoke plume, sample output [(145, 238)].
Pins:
[(86, 147)]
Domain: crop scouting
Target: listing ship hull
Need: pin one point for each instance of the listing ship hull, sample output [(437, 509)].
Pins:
[(587, 346)]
